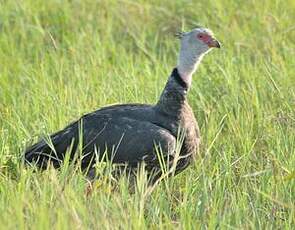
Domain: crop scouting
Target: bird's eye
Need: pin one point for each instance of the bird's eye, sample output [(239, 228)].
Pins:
[(200, 36)]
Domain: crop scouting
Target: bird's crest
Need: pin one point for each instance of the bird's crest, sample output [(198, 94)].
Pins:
[(179, 34)]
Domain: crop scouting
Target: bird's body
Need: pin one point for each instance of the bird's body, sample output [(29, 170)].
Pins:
[(129, 134)]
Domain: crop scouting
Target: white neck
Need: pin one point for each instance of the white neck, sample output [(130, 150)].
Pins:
[(187, 64)]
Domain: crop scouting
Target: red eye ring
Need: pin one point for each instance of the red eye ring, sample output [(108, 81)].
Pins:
[(200, 36)]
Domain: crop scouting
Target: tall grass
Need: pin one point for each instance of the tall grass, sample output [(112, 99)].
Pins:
[(61, 59)]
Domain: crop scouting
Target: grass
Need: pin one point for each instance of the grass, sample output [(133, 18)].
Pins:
[(61, 59)]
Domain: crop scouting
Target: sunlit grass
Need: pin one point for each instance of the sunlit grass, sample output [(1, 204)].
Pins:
[(61, 59)]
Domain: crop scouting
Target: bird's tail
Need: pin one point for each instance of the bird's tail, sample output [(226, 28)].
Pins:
[(40, 154)]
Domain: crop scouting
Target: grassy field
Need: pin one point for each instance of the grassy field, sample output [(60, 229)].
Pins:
[(61, 59)]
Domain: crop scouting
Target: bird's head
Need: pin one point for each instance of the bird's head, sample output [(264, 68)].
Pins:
[(194, 45), (200, 40)]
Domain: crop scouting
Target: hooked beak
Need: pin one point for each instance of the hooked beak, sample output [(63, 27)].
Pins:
[(214, 43)]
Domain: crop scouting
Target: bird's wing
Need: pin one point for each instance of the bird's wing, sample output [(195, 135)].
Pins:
[(124, 139)]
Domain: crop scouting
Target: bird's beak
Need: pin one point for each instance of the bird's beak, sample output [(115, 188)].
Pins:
[(214, 43)]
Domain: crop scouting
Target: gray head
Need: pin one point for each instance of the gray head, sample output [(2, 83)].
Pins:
[(194, 44), (199, 39)]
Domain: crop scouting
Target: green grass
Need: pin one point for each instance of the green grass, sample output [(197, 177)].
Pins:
[(61, 59)]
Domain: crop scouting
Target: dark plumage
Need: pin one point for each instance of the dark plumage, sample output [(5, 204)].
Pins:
[(130, 133)]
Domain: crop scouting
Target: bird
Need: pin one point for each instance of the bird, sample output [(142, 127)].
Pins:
[(134, 134)]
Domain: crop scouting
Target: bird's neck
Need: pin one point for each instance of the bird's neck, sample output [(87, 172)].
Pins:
[(187, 64), (173, 97)]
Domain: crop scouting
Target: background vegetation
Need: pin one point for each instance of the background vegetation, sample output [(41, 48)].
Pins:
[(61, 59)]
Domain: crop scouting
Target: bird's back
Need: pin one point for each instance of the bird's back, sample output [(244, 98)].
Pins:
[(128, 134)]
